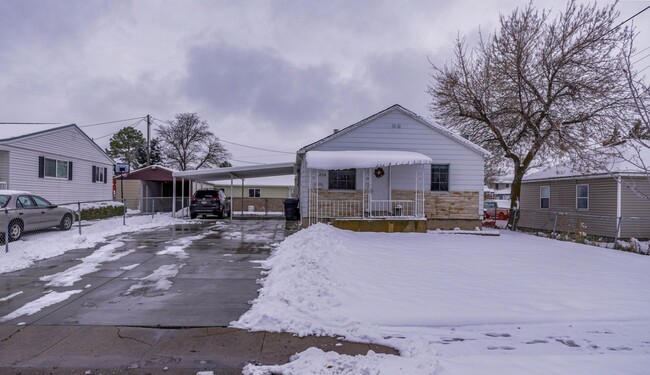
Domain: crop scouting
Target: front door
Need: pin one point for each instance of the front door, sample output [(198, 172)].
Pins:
[(381, 191)]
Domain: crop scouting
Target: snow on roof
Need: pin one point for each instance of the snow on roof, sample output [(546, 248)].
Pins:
[(362, 159), (630, 157), (281, 181), (12, 192)]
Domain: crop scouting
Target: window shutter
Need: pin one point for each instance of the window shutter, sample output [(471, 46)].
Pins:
[(94, 174), (105, 174), (69, 170), (41, 167)]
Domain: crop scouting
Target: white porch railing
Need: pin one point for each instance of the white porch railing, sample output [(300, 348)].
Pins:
[(379, 209)]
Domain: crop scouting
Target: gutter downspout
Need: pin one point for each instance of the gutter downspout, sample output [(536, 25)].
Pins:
[(618, 207)]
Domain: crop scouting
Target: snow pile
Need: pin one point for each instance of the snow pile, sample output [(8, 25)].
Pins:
[(447, 301), (37, 305), (36, 246)]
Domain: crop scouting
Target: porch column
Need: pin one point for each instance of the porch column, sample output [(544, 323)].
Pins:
[(173, 196), (231, 197), (182, 196)]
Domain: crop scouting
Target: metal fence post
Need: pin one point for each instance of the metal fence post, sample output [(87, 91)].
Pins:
[(618, 228), (554, 225), (79, 215), (6, 230), (124, 213), (153, 207)]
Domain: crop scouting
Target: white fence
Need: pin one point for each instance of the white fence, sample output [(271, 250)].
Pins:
[(356, 209)]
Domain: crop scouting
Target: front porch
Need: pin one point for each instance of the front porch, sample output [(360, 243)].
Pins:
[(367, 190)]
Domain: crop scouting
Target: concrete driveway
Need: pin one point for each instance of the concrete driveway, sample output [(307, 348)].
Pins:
[(148, 281)]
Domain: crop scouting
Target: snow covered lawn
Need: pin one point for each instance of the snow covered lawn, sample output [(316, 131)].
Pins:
[(457, 304), (36, 246)]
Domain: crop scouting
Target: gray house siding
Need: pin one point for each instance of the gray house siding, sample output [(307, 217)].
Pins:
[(634, 205), (399, 132), (4, 166), (598, 219), (67, 144)]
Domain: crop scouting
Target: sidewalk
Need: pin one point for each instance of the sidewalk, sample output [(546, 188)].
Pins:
[(43, 349)]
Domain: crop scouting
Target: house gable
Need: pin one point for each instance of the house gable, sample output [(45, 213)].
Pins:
[(390, 129)]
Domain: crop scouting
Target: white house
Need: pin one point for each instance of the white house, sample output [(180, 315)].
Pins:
[(61, 164), (393, 165)]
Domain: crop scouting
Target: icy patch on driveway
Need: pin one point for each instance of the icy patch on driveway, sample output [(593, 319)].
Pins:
[(88, 265), (158, 281), (7, 298), (177, 249), (35, 306)]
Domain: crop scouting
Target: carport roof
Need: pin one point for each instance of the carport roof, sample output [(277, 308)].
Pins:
[(250, 171)]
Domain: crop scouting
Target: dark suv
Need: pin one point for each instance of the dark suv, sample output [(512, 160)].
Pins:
[(207, 202)]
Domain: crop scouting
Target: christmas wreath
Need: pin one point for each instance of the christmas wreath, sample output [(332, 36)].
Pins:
[(379, 172)]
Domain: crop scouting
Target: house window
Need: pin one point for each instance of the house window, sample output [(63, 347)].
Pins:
[(56, 168), (582, 197), (439, 177), (544, 197), (254, 193), (342, 179), (99, 174)]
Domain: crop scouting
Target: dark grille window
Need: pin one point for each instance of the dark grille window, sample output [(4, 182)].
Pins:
[(344, 179), (439, 178)]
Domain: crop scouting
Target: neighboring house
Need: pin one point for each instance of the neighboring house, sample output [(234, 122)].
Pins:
[(61, 164), (151, 189), (610, 202), (500, 187), (392, 165), (260, 194)]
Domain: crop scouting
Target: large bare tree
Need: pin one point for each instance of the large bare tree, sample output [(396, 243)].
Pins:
[(541, 89), (188, 143)]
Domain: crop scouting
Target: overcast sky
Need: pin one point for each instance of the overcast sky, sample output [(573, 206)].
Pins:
[(270, 74)]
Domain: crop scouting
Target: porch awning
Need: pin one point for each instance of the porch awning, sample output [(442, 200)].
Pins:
[(362, 159)]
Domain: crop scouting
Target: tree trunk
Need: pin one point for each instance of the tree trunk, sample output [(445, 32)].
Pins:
[(515, 192)]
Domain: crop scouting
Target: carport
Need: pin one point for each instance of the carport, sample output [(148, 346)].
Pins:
[(231, 173)]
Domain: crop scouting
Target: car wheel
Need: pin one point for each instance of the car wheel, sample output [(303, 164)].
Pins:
[(66, 222), (15, 230), (193, 216)]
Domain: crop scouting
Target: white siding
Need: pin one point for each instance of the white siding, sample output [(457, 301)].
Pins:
[(466, 166), (68, 145)]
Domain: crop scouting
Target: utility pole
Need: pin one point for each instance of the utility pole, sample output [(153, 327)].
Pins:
[(148, 140)]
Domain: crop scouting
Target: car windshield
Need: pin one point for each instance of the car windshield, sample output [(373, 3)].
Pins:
[(206, 194), (4, 199)]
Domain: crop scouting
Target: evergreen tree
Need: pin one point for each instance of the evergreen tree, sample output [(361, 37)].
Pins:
[(155, 156), (124, 146)]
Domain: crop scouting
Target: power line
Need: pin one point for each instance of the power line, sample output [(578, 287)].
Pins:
[(621, 24), (237, 144), (30, 123), (134, 125), (109, 122)]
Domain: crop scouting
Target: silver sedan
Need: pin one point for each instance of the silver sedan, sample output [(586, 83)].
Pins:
[(22, 212)]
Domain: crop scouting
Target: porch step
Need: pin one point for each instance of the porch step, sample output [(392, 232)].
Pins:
[(382, 225)]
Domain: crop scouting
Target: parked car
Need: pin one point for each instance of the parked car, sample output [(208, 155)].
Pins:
[(26, 212), (498, 209), (209, 202)]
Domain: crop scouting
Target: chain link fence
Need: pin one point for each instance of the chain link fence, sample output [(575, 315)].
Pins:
[(22, 225), (624, 233)]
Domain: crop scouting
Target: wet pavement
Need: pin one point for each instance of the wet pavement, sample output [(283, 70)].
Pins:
[(158, 304), (211, 287)]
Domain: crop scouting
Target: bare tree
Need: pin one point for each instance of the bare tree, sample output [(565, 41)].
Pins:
[(188, 143), (542, 89)]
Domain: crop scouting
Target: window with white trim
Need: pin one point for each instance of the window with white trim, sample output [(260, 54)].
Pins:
[(99, 174), (544, 197), (342, 179), (254, 193), (582, 197), (440, 177), (56, 168)]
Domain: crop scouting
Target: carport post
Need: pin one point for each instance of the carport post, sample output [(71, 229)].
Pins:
[(173, 196), (242, 196), (182, 197), (6, 230), (79, 216), (231, 191)]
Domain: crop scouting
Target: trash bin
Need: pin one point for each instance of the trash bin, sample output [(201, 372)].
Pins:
[(291, 212)]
